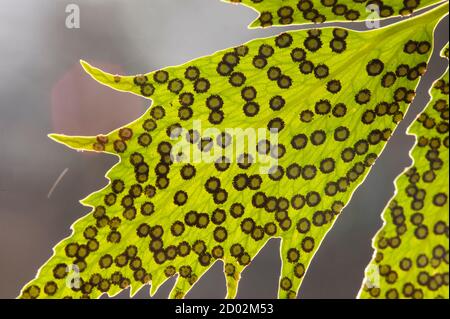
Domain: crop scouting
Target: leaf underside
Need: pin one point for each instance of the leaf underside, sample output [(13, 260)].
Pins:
[(411, 254), (294, 12), (332, 95)]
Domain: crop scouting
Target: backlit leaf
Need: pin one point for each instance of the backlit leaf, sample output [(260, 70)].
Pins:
[(286, 12), (333, 98), (411, 258)]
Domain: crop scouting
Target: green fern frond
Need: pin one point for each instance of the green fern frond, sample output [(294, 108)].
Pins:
[(268, 139), (411, 257)]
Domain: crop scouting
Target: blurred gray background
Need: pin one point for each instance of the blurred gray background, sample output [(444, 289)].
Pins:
[(44, 90)]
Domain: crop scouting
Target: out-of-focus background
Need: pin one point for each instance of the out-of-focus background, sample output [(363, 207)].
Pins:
[(43, 90)]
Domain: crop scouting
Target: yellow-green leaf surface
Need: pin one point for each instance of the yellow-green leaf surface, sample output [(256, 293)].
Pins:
[(287, 12), (287, 127), (411, 257)]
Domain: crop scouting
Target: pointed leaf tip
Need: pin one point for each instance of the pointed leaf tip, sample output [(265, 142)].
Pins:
[(86, 66), (84, 143), (114, 81)]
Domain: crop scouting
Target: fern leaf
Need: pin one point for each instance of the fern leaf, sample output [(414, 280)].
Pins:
[(268, 139), (293, 12), (411, 257)]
